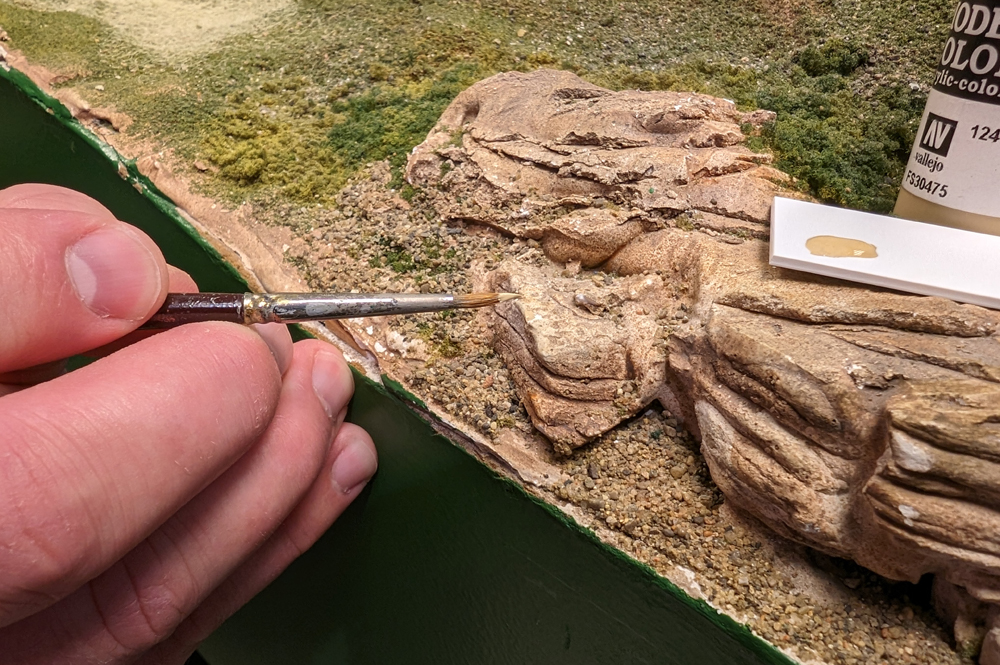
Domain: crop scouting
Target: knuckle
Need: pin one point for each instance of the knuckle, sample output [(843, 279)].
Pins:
[(157, 612), (296, 542), (47, 553), (138, 613)]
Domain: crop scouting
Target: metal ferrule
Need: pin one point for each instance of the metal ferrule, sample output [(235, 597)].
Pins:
[(299, 307)]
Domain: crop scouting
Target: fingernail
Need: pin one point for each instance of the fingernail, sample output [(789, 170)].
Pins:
[(354, 466), (114, 273), (332, 382)]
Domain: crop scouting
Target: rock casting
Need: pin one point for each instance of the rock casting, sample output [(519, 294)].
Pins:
[(858, 421)]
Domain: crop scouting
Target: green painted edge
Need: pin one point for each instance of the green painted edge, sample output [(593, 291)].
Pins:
[(392, 389)]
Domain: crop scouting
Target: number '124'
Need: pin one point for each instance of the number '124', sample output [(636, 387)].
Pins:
[(983, 133)]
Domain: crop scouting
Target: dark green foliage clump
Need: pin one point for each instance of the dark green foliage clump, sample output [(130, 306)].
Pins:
[(385, 122), (423, 256), (393, 255), (834, 57), (844, 152), (843, 147), (439, 339)]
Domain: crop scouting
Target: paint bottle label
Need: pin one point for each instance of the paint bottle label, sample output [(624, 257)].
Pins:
[(955, 161)]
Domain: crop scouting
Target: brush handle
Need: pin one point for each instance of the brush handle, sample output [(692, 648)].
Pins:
[(247, 308), (181, 308)]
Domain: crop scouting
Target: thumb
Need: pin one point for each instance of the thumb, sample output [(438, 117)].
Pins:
[(72, 277)]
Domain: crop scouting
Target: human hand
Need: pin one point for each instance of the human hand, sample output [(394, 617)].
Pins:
[(147, 496)]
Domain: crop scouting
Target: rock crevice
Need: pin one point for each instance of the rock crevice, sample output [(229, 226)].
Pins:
[(860, 421)]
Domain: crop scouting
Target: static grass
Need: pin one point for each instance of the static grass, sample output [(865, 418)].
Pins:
[(73, 45), (300, 107)]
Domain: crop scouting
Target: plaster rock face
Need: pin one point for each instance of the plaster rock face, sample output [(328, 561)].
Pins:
[(583, 170), (863, 422)]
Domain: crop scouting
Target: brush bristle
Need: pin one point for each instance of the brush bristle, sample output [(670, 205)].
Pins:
[(482, 299)]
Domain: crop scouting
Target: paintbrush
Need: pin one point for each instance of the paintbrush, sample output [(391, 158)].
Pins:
[(247, 308)]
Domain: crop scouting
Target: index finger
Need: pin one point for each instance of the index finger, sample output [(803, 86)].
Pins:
[(95, 460)]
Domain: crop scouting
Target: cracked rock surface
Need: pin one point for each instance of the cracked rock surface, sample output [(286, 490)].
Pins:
[(859, 421)]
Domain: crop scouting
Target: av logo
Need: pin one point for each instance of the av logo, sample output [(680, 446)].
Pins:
[(937, 134)]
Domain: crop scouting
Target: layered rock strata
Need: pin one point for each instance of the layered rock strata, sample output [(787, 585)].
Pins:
[(860, 421)]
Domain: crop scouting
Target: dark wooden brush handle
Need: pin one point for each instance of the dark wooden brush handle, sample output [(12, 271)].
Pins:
[(181, 308)]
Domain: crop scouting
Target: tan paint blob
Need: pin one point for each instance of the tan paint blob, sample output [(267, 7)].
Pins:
[(837, 247)]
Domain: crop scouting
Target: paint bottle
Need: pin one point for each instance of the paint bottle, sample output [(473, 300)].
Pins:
[(953, 176)]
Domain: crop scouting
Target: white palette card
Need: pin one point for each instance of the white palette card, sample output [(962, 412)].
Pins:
[(886, 251)]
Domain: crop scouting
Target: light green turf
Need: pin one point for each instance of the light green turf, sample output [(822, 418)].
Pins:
[(294, 109)]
